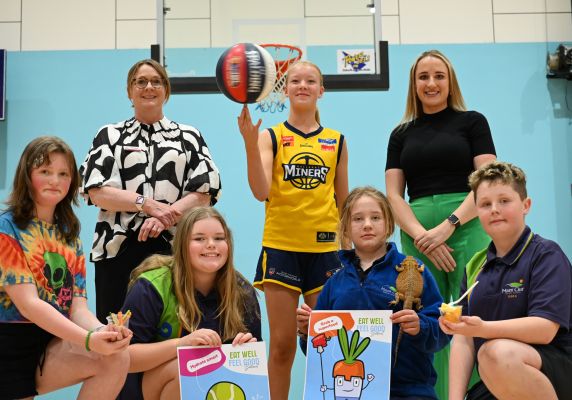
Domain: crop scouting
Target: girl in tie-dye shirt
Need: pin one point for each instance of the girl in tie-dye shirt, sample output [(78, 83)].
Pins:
[(47, 332)]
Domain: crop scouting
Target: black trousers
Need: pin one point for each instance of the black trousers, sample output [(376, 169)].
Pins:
[(112, 274)]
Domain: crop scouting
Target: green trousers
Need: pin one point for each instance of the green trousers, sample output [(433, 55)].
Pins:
[(465, 241)]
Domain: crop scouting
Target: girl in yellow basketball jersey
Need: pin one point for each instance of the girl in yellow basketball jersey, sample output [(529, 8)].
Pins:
[(299, 168)]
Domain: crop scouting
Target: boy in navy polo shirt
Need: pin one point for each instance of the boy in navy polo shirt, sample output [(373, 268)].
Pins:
[(516, 322)]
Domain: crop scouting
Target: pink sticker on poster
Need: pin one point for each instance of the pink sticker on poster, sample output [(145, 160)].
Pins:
[(200, 361)]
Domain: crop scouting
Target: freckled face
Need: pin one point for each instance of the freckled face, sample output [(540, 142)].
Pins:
[(50, 183), (432, 84)]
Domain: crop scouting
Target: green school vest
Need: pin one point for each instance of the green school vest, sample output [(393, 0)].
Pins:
[(169, 325)]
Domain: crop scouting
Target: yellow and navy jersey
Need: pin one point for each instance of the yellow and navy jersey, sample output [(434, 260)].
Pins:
[(301, 211)]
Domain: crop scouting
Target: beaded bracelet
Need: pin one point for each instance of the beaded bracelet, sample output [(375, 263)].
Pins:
[(87, 340)]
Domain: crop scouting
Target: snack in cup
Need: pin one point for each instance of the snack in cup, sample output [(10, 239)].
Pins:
[(119, 319), (451, 313)]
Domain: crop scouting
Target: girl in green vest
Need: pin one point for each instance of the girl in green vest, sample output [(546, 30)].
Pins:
[(194, 297)]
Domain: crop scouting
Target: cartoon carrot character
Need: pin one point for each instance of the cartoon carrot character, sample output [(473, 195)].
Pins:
[(349, 373)]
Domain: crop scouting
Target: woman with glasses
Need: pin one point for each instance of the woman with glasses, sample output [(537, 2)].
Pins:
[(143, 173)]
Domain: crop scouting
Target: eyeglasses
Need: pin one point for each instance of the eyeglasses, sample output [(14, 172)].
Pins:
[(142, 83)]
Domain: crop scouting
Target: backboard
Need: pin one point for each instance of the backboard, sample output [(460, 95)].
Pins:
[(342, 37)]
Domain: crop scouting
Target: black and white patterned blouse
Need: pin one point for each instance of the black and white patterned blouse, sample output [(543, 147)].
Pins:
[(164, 161)]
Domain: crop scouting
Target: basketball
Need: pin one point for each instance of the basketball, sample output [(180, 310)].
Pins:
[(246, 73), (225, 391)]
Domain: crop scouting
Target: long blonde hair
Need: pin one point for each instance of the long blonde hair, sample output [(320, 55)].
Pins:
[(413, 106), (344, 237), (233, 297), (310, 64)]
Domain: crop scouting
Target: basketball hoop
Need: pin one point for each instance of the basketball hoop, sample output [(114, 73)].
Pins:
[(283, 55)]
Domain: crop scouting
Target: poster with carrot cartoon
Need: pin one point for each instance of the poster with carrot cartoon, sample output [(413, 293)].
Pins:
[(224, 373), (348, 355)]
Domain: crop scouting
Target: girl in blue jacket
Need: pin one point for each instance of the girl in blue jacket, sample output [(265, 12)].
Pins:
[(366, 281)]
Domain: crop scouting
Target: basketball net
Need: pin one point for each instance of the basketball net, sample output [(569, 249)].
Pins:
[(284, 55)]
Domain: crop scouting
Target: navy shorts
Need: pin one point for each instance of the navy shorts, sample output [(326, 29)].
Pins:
[(556, 365), (305, 273), (22, 348)]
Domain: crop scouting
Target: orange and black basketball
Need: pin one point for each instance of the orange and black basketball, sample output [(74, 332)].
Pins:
[(246, 73)]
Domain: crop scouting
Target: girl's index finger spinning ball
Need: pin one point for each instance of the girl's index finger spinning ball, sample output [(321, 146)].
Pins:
[(246, 73)]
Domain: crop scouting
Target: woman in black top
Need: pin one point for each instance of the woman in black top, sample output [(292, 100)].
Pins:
[(432, 152)]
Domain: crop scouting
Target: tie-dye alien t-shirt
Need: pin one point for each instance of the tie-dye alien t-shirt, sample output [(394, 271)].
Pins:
[(37, 255)]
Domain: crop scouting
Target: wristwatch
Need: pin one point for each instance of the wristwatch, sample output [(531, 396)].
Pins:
[(454, 220), (139, 202)]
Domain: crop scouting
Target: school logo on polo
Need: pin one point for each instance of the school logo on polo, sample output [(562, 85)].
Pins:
[(513, 289), (305, 171)]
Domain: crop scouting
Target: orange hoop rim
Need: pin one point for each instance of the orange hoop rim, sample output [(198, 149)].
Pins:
[(285, 46), (274, 101), (281, 63)]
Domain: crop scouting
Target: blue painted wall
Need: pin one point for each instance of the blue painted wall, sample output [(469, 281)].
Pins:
[(71, 94)]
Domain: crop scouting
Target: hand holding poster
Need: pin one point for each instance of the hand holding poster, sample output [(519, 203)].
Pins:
[(224, 373), (348, 355)]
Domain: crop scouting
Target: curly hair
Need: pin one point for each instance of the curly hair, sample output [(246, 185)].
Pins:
[(500, 172)]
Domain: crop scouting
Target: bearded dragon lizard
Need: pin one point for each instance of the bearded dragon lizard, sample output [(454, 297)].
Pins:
[(409, 287)]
